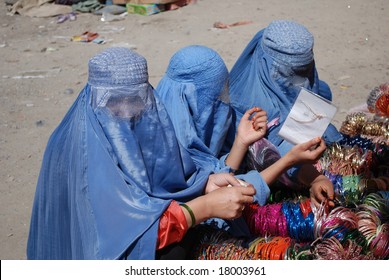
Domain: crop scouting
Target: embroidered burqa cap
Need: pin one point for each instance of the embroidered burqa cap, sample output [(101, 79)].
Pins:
[(288, 42), (110, 169), (117, 67)]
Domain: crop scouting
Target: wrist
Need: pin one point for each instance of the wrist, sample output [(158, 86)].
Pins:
[(319, 178), (308, 174), (241, 143), (233, 170), (200, 209), (239, 148), (236, 155), (287, 161)]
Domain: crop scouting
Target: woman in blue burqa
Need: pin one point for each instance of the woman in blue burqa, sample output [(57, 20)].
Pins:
[(270, 72), (114, 182), (195, 93)]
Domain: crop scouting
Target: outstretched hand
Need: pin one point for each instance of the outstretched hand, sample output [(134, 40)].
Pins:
[(252, 127)]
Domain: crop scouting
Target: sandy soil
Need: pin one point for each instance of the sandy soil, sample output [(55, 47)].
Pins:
[(351, 49)]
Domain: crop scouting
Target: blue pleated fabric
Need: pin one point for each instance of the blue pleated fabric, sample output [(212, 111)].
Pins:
[(110, 169), (195, 93), (270, 72)]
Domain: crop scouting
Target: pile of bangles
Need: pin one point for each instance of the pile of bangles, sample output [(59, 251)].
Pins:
[(294, 231), (359, 164), (356, 228)]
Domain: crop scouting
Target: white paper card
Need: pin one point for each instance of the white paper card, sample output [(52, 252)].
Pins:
[(309, 117)]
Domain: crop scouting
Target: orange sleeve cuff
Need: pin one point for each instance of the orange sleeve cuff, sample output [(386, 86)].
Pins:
[(172, 226)]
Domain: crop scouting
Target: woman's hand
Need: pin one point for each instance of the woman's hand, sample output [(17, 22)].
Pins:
[(308, 152), (228, 203), (251, 127), (219, 180), (226, 198), (321, 190)]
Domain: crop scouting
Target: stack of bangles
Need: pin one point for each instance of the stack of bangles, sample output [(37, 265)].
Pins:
[(286, 219), (224, 251), (378, 100), (270, 248), (281, 248), (355, 170), (217, 244), (366, 225)]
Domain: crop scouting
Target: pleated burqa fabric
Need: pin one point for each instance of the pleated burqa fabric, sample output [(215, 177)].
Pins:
[(110, 169)]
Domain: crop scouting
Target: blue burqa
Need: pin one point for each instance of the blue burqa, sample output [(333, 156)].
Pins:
[(110, 169), (195, 93), (269, 74)]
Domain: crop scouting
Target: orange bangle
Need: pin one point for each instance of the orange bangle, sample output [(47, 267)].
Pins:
[(305, 207)]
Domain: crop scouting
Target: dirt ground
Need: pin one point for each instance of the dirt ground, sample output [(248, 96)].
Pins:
[(42, 71)]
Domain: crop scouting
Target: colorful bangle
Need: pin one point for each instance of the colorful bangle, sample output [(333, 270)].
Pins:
[(192, 216)]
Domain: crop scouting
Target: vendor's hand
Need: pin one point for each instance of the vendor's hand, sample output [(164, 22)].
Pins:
[(252, 127), (219, 180), (321, 190), (229, 203), (308, 152)]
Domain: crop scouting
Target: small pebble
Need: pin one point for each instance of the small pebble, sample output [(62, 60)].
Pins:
[(40, 123), (69, 91)]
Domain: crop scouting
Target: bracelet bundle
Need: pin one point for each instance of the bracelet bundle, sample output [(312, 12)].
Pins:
[(360, 233), (286, 219)]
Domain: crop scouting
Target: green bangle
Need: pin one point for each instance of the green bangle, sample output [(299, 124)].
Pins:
[(192, 216)]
